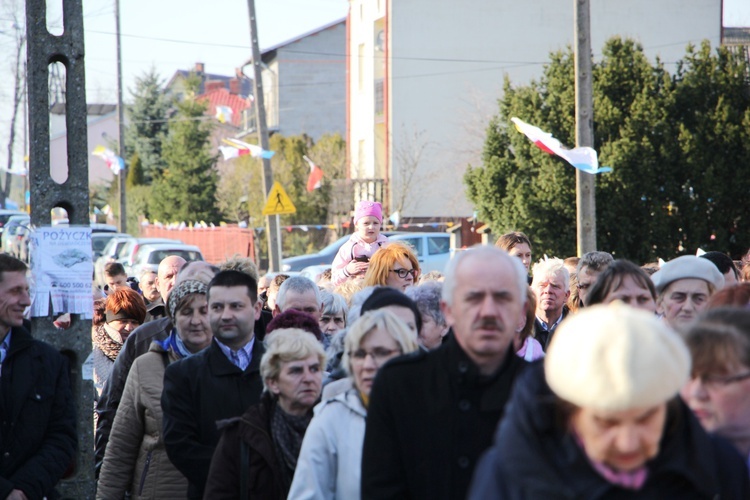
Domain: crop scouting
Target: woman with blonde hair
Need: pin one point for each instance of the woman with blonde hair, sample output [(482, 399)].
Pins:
[(257, 453), (394, 265), (331, 457)]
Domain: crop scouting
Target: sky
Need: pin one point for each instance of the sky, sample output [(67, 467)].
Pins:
[(175, 34)]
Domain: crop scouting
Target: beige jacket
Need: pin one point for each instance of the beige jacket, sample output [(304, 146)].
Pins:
[(135, 459)]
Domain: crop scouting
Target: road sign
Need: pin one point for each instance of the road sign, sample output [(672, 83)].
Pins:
[(278, 202)]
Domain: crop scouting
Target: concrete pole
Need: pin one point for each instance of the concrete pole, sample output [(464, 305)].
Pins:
[(585, 183), (272, 221), (123, 222)]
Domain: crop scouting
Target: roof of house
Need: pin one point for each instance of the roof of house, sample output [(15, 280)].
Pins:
[(245, 83), (736, 36), (222, 97), (297, 38)]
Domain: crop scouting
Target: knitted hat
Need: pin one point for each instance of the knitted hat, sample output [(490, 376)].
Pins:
[(182, 290), (365, 208), (387, 296), (615, 357), (292, 318), (687, 266)]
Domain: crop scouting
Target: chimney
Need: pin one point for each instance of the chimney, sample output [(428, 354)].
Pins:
[(199, 67), (212, 85), (234, 86)]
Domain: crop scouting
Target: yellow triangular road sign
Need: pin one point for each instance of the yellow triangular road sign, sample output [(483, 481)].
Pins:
[(278, 202)]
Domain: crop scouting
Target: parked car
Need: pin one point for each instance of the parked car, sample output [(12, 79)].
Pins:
[(9, 237), (323, 258), (111, 252), (6, 214), (432, 249), (127, 254), (99, 242), (149, 256)]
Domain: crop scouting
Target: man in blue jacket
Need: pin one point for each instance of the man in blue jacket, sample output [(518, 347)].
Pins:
[(37, 425)]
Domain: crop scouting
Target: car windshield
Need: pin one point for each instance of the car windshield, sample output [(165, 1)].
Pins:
[(159, 255)]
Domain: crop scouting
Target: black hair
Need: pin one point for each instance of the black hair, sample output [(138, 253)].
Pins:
[(612, 276), (386, 296), (230, 278), (722, 261)]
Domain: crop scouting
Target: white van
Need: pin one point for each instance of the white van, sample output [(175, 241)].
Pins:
[(432, 249)]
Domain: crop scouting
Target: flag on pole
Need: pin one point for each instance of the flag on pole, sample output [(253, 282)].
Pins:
[(244, 148), (114, 162), (224, 114), (315, 177), (584, 158)]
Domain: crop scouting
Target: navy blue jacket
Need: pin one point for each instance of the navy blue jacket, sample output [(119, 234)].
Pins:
[(38, 439), (534, 457)]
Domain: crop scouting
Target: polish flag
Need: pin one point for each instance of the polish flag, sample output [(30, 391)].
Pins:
[(584, 158), (244, 148), (316, 175)]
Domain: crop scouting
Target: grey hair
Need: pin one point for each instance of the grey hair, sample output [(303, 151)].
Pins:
[(427, 296), (299, 285), (355, 305), (489, 252), (596, 261), (333, 304), (551, 267)]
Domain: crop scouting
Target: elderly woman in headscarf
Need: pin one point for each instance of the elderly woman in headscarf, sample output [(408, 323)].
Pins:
[(601, 418), (124, 311), (257, 452), (135, 460)]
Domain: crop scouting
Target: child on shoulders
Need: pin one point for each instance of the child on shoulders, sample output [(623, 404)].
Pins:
[(353, 257)]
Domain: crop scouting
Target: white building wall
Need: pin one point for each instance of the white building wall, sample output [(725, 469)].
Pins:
[(448, 62), (311, 84), (363, 14), (101, 130)]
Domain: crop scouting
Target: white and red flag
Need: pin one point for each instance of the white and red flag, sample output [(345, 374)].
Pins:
[(316, 175)]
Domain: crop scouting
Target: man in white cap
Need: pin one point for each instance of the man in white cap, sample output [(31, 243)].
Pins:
[(683, 287), (602, 418)]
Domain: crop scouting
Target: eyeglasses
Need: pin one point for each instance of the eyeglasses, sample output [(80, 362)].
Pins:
[(379, 354), (718, 381), (403, 273)]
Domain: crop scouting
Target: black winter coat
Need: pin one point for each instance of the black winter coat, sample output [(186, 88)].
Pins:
[(198, 392), (263, 475), (38, 439), (137, 343), (534, 458), (431, 415)]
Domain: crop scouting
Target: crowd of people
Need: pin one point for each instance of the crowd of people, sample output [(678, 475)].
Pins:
[(588, 377)]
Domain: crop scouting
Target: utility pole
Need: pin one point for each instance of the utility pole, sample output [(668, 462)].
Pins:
[(272, 221), (123, 222), (585, 182)]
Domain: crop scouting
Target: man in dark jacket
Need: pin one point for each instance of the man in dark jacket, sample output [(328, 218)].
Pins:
[(220, 382), (432, 414), (38, 430)]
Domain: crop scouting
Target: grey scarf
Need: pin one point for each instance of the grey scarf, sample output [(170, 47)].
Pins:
[(287, 432)]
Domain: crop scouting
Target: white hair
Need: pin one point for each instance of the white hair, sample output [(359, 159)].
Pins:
[(546, 268), (299, 285)]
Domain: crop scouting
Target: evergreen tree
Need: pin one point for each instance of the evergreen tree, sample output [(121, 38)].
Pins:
[(675, 142), (148, 125), (185, 190)]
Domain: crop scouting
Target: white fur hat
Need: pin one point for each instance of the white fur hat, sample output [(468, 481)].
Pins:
[(615, 357), (687, 266)]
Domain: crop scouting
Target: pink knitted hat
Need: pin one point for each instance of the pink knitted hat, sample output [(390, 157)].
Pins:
[(365, 208)]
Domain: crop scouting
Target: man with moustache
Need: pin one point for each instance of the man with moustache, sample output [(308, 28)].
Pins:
[(432, 414), (220, 382)]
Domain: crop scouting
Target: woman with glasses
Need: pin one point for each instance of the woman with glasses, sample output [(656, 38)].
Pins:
[(719, 389), (330, 461), (394, 265)]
